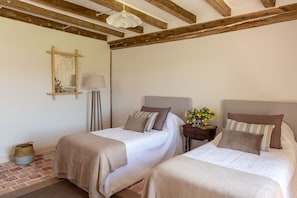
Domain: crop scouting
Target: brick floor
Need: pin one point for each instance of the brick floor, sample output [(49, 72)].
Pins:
[(13, 177)]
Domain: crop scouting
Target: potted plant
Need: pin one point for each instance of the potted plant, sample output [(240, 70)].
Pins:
[(199, 118)]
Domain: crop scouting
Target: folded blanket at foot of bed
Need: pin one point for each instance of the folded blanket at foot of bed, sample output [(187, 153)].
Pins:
[(87, 159)]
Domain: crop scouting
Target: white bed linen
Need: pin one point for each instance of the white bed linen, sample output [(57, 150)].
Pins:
[(144, 150), (277, 164)]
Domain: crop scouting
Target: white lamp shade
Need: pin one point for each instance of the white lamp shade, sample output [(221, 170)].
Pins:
[(123, 19), (93, 82)]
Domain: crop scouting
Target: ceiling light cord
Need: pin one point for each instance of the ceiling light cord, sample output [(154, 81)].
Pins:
[(124, 6)]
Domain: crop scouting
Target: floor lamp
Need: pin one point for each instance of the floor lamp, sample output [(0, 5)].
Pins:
[(94, 83)]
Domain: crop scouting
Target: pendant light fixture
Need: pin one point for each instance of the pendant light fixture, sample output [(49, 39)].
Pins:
[(123, 19)]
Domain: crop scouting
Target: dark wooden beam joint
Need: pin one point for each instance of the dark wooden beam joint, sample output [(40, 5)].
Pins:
[(268, 3), (220, 6), (175, 10)]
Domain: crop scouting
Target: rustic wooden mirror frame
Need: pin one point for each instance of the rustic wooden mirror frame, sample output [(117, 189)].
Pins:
[(64, 73)]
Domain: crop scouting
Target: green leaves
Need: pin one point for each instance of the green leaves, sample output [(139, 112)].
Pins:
[(202, 115)]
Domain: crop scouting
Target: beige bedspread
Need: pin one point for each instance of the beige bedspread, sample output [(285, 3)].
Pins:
[(187, 178), (87, 159)]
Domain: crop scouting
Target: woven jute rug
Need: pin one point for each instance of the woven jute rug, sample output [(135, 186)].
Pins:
[(59, 188)]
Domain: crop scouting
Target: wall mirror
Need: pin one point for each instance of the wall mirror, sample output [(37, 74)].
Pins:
[(64, 73)]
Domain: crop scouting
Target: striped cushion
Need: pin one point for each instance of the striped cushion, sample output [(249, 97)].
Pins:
[(265, 130), (151, 118), (236, 126)]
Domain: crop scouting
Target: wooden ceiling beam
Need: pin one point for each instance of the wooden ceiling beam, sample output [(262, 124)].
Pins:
[(289, 7), (244, 21), (41, 12), (81, 11), (117, 6), (287, 16), (175, 10), (268, 3), (19, 16), (220, 6)]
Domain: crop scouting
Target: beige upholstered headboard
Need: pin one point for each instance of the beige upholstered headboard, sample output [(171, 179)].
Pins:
[(289, 109), (178, 104)]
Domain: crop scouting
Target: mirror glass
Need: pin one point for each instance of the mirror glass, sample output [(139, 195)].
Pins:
[(65, 75)]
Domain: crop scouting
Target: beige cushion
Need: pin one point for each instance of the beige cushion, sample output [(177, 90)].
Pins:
[(151, 118), (160, 120), (135, 123), (242, 141), (276, 120), (265, 130)]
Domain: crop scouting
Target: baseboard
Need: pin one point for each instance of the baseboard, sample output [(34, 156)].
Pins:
[(8, 158), (5, 158)]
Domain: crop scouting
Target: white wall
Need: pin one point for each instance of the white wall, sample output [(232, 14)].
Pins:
[(253, 64), (27, 113)]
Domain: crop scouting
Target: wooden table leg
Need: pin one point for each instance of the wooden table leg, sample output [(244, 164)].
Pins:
[(189, 143), (186, 143)]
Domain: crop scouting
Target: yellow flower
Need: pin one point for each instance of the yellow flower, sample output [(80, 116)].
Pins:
[(195, 116)]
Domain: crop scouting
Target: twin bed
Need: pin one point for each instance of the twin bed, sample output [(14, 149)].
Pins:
[(132, 155), (214, 171), (211, 170)]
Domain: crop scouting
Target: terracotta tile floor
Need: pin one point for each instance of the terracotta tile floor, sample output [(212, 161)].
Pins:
[(13, 177)]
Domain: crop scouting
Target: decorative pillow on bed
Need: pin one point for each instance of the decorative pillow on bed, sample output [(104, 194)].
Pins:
[(235, 125), (136, 123), (265, 130), (151, 118), (163, 112), (263, 119), (242, 141)]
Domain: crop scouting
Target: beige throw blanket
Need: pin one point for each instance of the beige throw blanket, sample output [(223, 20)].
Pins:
[(87, 159), (187, 178)]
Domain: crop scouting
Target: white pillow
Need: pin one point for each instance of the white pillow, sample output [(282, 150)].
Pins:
[(173, 121), (288, 137)]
